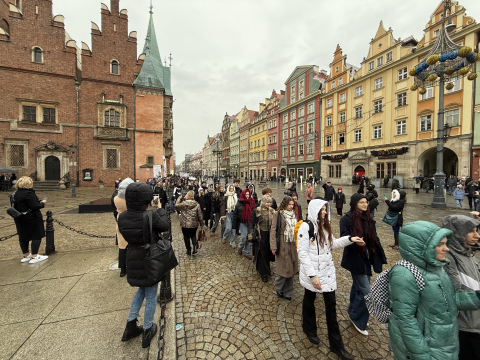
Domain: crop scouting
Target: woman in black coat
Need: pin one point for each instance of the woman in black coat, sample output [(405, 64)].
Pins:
[(359, 260), (30, 226), (131, 225), (395, 206)]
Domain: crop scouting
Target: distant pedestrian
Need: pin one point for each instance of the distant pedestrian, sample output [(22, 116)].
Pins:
[(229, 202), (241, 219), (30, 226), (395, 207), (259, 235), (216, 205), (286, 257), (138, 197), (329, 194), (339, 201), (190, 220), (459, 195), (309, 193), (452, 184)]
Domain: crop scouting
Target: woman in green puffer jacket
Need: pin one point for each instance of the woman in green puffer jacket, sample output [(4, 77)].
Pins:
[(423, 324)]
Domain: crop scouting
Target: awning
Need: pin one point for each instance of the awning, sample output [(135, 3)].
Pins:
[(4, 169)]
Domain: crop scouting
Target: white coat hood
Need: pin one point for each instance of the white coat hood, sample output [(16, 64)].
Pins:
[(313, 209)]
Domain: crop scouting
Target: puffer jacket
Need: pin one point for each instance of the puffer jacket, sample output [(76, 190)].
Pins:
[(169, 191), (316, 260), (423, 325), (463, 268), (130, 224), (190, 213)]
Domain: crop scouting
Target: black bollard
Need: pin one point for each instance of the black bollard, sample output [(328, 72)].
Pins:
[(74, 194), (165, 289), (50, 232)]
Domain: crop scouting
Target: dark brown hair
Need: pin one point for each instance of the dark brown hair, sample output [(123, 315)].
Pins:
[(324, 224), (286, 200), (266, 190)]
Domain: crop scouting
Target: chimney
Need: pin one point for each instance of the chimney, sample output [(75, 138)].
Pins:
[(115, 7)]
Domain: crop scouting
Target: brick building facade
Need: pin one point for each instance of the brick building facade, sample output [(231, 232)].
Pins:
[(56, 97)]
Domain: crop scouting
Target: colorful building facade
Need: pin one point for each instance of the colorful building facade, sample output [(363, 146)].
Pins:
[(273, 131)]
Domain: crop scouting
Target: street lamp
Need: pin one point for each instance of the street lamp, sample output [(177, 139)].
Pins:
[(73, 149), (446, 62)]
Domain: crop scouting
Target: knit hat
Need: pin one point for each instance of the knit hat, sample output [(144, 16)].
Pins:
[(355, 199), (339, 188), (190, 195)]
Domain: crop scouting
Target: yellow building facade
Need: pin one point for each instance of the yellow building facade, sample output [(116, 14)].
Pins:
[(374, 125), (257, 149)]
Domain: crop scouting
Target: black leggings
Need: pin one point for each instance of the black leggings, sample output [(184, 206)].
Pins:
[(35, 246), (189, 234), (310, 320)]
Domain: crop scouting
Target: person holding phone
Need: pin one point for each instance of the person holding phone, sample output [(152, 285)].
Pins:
[(30, 226)]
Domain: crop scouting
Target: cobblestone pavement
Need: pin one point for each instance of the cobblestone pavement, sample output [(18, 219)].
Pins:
[(229, 313)]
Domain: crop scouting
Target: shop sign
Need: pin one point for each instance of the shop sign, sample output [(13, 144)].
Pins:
[(335, 158), (390, 153)]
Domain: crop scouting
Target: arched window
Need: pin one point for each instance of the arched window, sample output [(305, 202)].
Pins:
[(112, 118), (115, 67), (4, 28), (37, 55)]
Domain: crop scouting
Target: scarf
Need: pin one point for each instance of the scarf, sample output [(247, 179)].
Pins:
[(290, 222), (231, 200), (248, 205)]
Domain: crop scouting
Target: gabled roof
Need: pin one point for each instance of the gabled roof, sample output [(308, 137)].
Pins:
[(298, 71), (153, 73), (381, 31)]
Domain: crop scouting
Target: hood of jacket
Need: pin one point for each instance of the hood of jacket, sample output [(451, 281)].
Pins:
[(417, 242), (252, 185), (138, 196), (395, 196), (460, 225), (313, 209), (122, 187)]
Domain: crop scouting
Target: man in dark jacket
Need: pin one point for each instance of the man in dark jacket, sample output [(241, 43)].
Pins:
[(131, 225), (329, 194), (238, 189)]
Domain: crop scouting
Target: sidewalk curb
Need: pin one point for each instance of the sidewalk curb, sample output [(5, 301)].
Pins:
[(170, 350)]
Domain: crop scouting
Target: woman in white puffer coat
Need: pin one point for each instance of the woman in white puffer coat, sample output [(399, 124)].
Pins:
[(317, 274)]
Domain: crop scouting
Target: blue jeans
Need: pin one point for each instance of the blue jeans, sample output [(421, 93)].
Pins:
[(150, 296), (330, 203), (171, 205), (244, 244), (459, 203), (396, 230), (229, 232), (451, 189), (357, 310)]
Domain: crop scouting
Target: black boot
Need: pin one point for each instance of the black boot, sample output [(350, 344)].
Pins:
[(131, 330), (395, 245), (123, 272), (342, 354), (148, 335)]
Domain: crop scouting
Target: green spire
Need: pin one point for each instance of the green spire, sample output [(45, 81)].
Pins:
[(153, 73)]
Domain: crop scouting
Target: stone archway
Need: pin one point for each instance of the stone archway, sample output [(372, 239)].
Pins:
[(52, 151), (52, 168), (427, 162)]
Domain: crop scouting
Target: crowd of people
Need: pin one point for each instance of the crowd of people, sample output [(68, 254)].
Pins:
[(438, 318)]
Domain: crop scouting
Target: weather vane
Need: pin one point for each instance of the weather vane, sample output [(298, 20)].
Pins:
[(151, 6), (171, 58)]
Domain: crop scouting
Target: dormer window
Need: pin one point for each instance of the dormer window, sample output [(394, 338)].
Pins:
[(114, 67), (112, 118), (37, 55)]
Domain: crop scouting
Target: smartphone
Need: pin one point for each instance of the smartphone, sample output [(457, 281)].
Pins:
[(45, 198), (386, 195)]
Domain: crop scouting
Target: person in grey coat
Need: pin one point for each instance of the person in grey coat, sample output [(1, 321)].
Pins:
[(464, 272), (452, 184)]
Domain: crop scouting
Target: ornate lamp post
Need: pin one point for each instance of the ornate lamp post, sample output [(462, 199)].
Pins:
[(445, 63)]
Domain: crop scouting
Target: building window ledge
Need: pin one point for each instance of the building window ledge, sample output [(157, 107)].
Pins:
[(146, 166), (400, 106), (399, 135)]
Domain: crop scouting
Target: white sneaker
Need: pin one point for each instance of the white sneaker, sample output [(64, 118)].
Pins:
[(26, 259), (37, 259), (363, 332)]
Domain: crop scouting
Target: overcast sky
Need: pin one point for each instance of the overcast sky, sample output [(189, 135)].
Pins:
[(227, 54)]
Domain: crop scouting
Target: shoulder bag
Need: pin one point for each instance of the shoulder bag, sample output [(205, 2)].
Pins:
[(201, 235), (159, 256), (14, 213), (390, 218)]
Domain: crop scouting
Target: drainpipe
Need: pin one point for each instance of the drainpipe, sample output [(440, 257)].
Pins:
[(474, 93), (77, 88)]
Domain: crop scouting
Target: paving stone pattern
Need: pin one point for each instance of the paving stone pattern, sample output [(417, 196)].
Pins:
[(227, 312)]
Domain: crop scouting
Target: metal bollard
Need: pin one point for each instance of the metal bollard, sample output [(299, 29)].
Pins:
[(74, 194), (50, 241)]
